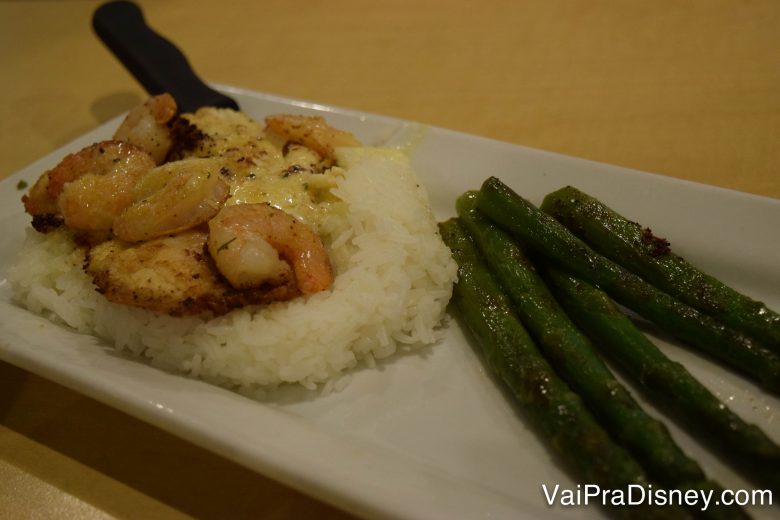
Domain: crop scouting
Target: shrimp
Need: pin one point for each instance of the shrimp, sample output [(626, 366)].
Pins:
[(312, 132), (173, 197), (88, 188), (253, 244), (147, 126)]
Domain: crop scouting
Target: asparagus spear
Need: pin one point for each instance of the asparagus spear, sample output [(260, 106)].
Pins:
[(555, 411), (639, 251), (574, 357), (668, 383), (551, 239)]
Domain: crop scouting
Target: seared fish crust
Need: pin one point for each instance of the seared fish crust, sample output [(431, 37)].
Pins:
[(174, 275)]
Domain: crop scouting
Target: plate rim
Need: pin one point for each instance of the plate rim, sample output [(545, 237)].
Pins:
[(374, 504)]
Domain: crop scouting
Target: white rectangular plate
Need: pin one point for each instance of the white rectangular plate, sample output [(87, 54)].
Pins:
[(428, 435)]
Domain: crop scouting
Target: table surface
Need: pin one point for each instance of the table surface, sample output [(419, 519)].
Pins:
[(684, 89)]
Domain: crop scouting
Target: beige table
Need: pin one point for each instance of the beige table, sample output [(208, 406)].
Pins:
[(686, 89)]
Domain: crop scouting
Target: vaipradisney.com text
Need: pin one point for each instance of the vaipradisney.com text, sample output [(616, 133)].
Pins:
[(636, 495)]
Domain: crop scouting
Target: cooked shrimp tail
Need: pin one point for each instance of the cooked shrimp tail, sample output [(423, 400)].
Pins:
[(310, 131), (253, 244), (147, 126)]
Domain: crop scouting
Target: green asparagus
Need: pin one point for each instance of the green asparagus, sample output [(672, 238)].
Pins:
[(548, 237), (639, 251), (574, 357), (667, 382), (555, 411), (511, 353)]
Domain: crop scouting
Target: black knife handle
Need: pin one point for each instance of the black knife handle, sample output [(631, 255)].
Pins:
[(155, 62)]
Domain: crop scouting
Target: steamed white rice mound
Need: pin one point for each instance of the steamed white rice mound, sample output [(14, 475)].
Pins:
[(394, 277)]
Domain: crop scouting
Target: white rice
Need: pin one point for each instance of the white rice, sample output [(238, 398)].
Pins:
[(394, 279)]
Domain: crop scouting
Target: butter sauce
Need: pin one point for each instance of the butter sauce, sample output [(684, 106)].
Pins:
[(260, 166)]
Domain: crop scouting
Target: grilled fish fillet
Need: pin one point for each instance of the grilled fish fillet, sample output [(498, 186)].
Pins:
[(174, 275)]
